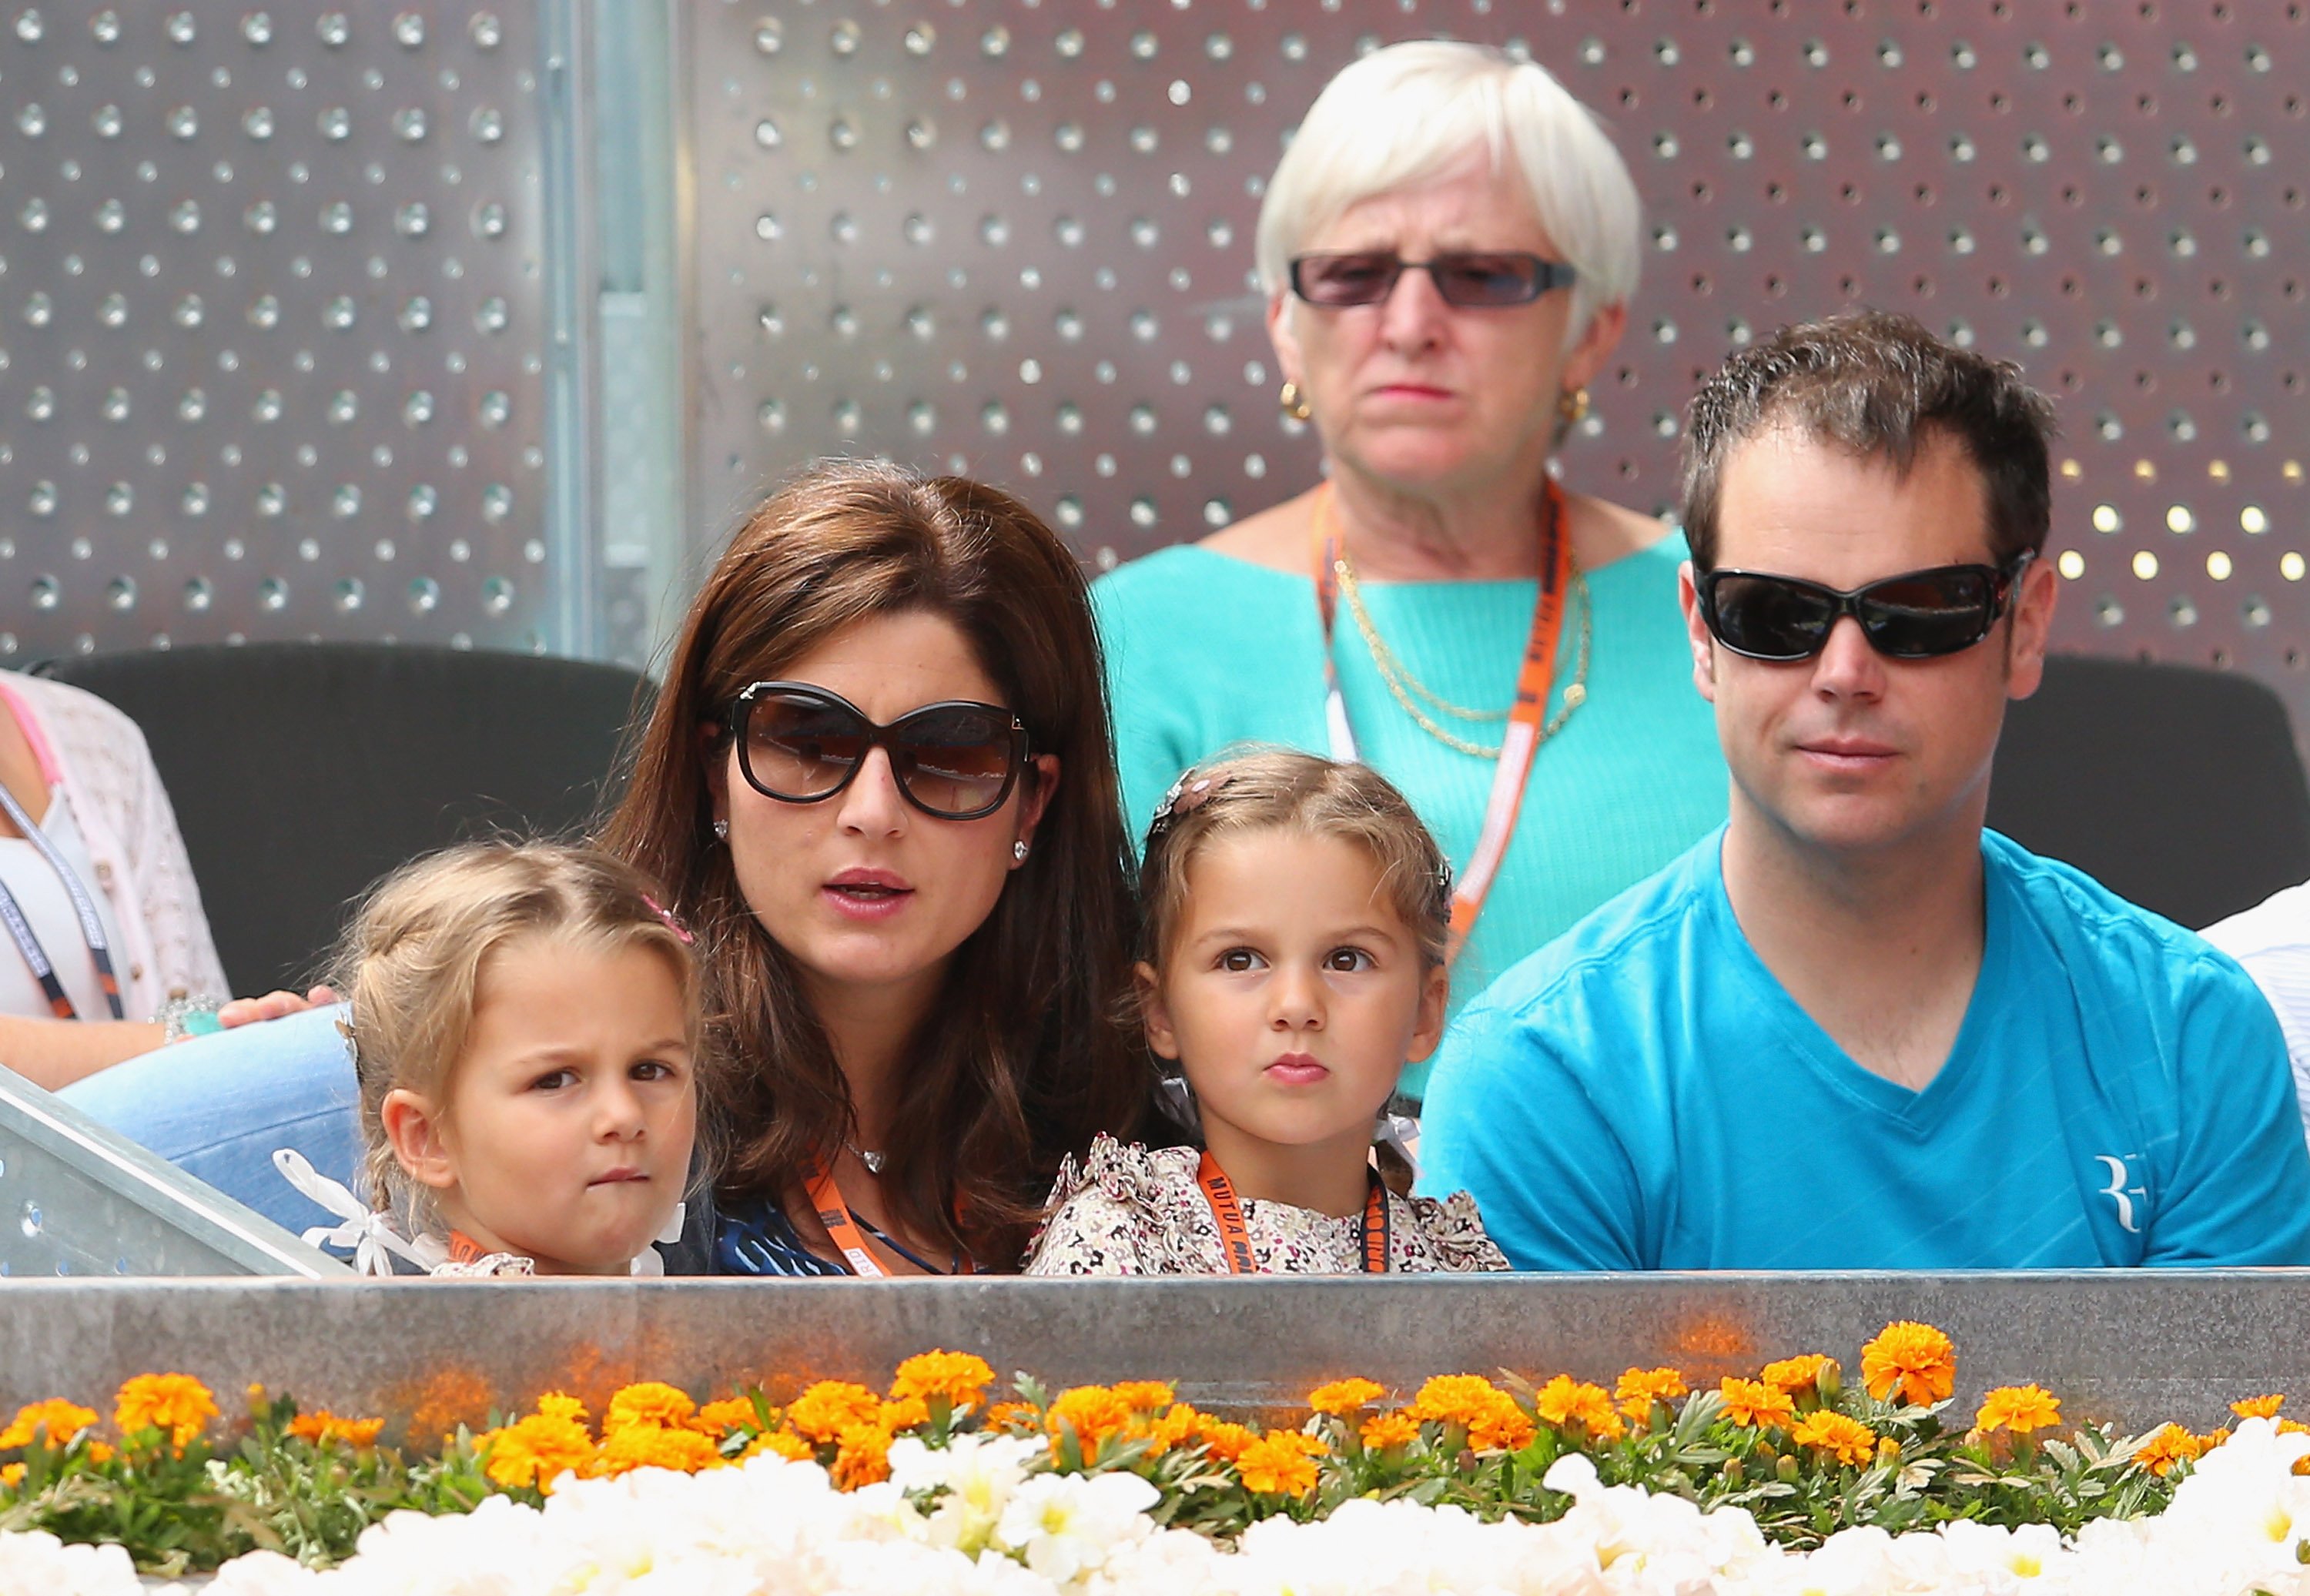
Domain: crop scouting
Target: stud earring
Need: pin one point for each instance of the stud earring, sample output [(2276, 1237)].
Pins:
[(1018, 852), (722, 831), (1295, 402), (1572, 406)]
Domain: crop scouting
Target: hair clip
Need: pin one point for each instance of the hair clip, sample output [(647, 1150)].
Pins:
[(1188, 793), (672, 924)]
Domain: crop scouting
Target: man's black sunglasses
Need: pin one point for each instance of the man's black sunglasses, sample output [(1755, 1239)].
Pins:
[(802, 745), (1481, 279), (1918, 615)]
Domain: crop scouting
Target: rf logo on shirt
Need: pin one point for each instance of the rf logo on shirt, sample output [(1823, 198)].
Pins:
[(2119, 1193)]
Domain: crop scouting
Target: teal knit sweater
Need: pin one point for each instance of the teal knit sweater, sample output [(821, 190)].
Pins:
[(1205, 651)]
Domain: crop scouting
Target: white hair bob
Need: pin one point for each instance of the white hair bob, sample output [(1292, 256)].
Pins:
[(1410, 112)]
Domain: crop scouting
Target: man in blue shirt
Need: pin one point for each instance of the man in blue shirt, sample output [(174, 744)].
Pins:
[(1852, 1030)]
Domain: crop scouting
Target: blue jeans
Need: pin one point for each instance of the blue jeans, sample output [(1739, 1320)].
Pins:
[(217, 1106)]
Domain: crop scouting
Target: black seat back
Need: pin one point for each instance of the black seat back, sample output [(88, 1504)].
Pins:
[(301, 772), (2177, 788)]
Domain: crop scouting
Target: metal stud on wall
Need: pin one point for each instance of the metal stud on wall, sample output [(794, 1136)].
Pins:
[(273, 327), (287, 345), (1014, 238)]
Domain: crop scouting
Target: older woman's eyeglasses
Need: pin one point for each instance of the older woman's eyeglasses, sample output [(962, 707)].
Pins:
[(802, 745), (1473, 279)]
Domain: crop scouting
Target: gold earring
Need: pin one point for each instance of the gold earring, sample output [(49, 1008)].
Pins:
[(1295, 402), (1572, 407)]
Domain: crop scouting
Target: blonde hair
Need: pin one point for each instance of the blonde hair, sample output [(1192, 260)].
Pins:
[(411, 965), (1408, 113), (1278, 788)]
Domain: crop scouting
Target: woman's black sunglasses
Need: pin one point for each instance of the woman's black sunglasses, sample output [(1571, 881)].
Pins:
[(802, 745), (1487, 278), (1918, 615)]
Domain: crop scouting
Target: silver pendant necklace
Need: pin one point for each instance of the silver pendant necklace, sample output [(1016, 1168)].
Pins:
[(873, 1161)]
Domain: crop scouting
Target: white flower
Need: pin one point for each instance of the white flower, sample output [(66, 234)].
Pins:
[(1062, 1526), (976, 1476), (263, 1574), (39, 1565)]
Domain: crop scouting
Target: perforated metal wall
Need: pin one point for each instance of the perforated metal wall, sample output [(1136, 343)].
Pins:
[(1015, 239), (274, 345)]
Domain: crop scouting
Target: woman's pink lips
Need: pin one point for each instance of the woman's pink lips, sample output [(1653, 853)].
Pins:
[(1297, 1069), (864, 894), (867, 907), (1411, 390), (617, 1177)]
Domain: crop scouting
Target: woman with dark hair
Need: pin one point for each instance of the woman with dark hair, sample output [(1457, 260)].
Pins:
[(877, 783), (879, 788)]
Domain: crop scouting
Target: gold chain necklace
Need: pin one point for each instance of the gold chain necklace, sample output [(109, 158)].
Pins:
[(1407, 689)]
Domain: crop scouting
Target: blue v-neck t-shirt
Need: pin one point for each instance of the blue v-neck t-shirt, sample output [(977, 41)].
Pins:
[(1644, 1093)]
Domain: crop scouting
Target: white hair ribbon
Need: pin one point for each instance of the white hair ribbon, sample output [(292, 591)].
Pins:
[(368, 1232)]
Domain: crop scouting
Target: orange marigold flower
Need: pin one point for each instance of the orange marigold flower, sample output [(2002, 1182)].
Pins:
[(12, 1475), (1503, 1427), (1280, 1463), (656, 1446), (1756, 1404), (1456, 1399), (322, 1427), (1003, 1416), (1798, 1375), (537, 1451), (555, 1404), (2261, 1407), (1224, 1441), (1343, 1397), (648, 1402), (1842, 1437), (2170, 1446), (98, 1452), (1146, 1395), (830, 1407), (1176, 1426), (904, 1414), (177, 1405), (864, 1458), (960, 1377), (1493, 1421), (1094, 1412), (1384, 1430), (1564, 1401), (62, 1419), (1914, 1359), (2293, 1426), (2020, 1409), (1639, 1389), (2212, 1438), (729, 1413), (783, 1444)]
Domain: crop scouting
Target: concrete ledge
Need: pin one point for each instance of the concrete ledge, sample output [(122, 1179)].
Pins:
[(2135, 1347)]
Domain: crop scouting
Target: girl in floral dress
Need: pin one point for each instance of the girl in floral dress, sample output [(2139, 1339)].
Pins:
[(1298, 925), (523, 1022)]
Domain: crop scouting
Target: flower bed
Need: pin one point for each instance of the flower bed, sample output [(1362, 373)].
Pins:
[(1791, 1480)]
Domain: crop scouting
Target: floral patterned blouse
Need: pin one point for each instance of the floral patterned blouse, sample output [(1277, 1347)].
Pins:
[(1136, 1210)]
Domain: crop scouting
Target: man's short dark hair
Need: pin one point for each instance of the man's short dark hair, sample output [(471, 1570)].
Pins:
[(1875, 383)]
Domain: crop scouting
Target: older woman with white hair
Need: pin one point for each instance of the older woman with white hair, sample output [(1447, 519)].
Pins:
[(1447, 247)]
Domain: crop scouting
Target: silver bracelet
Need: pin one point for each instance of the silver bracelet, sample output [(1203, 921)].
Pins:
[(184, 1016)]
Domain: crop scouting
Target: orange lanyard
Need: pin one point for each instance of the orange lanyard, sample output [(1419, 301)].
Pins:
[(842, 1225), (1521, 743), (1235, 1240)]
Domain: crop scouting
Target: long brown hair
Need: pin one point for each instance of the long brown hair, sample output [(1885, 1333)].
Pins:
[(1024, 1059)]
